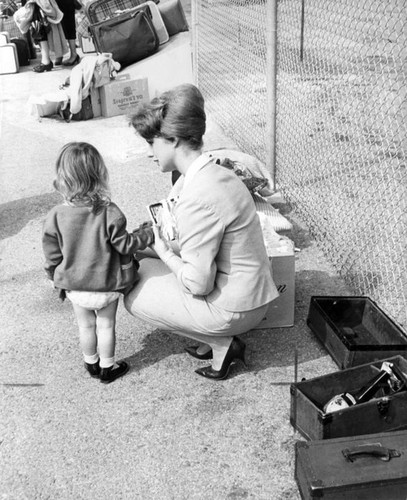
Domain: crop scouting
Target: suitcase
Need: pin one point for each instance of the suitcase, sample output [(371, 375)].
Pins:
[(173, 15), (354, 330), (129, 37), (367, 467), (158, 23), (8, 59), (101, 10), (4, 38), (23, 52), (381, 414)]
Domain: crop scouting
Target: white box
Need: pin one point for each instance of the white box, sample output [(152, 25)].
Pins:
[(121, 95), (281, 310)]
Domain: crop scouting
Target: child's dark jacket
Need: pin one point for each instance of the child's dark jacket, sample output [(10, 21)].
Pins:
[(84, 251)]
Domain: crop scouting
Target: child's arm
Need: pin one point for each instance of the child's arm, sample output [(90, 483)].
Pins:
[(128, 243), (51, 249)]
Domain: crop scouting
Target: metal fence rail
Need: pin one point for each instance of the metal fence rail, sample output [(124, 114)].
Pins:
[(341, 121)]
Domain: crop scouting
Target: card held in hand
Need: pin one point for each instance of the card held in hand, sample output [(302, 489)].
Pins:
[(162, 214)]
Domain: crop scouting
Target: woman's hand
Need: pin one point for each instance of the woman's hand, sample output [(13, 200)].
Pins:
[(160, 246)]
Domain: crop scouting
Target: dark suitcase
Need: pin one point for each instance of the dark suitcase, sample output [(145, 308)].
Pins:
[(101, 10), (380, 414), (23, 52), (354, 330), (173, 16), (129, 37), (368, 467)]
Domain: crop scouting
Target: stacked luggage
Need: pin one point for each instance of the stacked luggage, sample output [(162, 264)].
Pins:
[(355, 420), (132, 30), (15, 48)]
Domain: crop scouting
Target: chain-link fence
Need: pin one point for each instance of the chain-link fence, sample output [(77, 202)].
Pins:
[(341, 120)]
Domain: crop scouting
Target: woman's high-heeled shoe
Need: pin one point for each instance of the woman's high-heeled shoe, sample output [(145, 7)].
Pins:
[(193, 351), (72, 63), (236, 351)]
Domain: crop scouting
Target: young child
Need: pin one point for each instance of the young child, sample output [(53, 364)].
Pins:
[(89, 254)]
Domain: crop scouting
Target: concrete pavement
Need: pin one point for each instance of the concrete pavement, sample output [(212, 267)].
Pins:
[(161, 432)]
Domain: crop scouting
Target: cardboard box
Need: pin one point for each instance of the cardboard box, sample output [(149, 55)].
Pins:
[(121, 95), (281, 310)]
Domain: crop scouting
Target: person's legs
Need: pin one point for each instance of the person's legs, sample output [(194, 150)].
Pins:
[(106, 335), (157, 298), (45, 58), (87, 338), (69, 27), (73, 56), (106, 323), (87, 329), (46, 63)]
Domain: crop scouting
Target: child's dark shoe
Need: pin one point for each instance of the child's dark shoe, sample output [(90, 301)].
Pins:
[(110, 374), (93, 369)]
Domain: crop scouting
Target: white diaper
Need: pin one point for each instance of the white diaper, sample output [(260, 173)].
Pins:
[(92, 300)]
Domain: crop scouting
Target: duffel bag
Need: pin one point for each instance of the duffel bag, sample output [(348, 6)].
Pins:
[(129, 37)]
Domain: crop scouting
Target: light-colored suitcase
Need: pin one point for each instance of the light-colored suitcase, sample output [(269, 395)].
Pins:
[(8, 59), (158, 23), (4, 37)]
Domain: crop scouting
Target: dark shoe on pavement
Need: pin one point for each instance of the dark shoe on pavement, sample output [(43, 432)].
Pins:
[(235, 352), (72, 63), (110, 374), (43, 67), (93, 369)]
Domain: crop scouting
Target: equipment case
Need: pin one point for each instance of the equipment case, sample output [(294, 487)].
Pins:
[(367, 467), (354, 330), (383, 414)]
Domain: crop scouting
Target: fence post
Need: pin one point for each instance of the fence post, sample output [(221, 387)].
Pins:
[(194, 39), (271, 81)]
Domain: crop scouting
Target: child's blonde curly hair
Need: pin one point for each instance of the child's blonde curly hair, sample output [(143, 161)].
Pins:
[(82, 177)]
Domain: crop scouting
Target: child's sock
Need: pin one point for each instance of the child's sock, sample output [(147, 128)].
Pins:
[(91, 360), (108, 363)]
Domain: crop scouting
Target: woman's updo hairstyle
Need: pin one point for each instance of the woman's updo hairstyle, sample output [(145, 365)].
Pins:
[(177, 114)]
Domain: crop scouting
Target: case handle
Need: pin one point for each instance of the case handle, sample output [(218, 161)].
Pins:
[(370, 450)]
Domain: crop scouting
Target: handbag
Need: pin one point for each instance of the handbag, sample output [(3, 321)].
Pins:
[(129, 37), (39, 25)]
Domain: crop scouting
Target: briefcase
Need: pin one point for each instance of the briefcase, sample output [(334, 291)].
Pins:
[(129, 37), (379, 414), (354, 330), (367, 467)]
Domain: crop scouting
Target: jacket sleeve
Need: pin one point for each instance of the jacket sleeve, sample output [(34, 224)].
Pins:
[(127, 243), (200, 235), (51, 248)]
